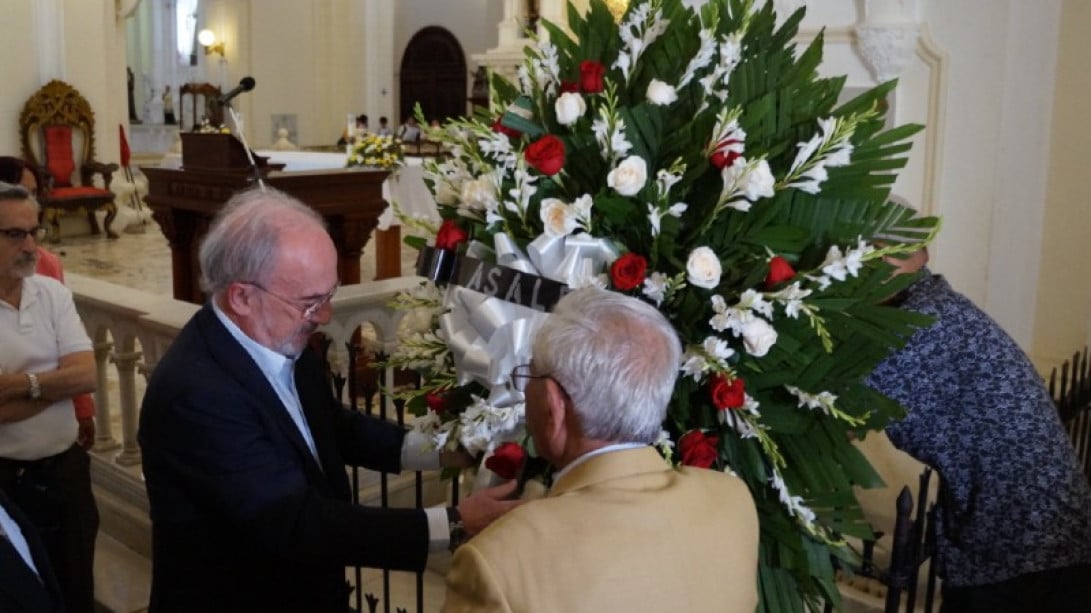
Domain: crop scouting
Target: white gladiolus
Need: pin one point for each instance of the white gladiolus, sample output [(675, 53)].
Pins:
[(758, 182), (758, 337), (629, 176), (557, 217), (655, 287), (661, 93), (569, 107), (703, 268)]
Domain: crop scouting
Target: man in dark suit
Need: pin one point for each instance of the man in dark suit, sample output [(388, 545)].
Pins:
[(27, 584), (244, 445)]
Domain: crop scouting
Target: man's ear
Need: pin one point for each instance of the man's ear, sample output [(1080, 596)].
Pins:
[(557, 418), (239, 299)]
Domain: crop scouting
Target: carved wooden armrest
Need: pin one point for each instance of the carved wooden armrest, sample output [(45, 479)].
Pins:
[(92, 168)]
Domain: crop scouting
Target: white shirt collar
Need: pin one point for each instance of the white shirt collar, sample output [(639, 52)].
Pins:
[(272, 364)]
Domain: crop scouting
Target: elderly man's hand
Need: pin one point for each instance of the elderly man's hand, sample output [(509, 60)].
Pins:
[(483, 506)]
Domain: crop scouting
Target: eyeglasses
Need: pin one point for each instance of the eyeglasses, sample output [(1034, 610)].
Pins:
[(19, 235), (521, 376), (307, 311)]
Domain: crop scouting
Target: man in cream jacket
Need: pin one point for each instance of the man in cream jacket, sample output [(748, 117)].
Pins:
[(620, 530)]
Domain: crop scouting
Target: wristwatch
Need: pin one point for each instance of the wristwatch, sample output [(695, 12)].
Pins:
[(456, 528), (35, 391)]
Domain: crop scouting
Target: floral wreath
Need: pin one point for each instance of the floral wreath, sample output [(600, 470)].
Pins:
[(696, 161)]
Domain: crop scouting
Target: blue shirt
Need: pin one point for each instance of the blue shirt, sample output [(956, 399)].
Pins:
[(1013, 498)]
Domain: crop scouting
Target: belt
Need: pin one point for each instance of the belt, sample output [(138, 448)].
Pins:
[(14, 466)]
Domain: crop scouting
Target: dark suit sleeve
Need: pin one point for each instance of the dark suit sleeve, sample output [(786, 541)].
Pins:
[(216, 452)]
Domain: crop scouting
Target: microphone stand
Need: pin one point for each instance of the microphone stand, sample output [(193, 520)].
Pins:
[(242, 137)]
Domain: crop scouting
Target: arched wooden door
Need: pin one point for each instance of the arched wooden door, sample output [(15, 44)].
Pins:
[(433, 72)]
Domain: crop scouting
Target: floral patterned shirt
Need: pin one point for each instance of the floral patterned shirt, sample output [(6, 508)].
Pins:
[(1013, 499)]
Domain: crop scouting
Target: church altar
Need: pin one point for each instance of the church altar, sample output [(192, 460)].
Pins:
[(406, 188)]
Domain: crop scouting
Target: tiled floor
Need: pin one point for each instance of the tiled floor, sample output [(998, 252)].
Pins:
[(140, 258)]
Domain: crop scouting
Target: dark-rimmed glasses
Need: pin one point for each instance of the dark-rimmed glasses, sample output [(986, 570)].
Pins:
[(19, 235), (307, 311), (521, 375)]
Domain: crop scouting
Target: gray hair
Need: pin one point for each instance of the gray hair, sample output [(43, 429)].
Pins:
[(617, 359), (17, 193), (242, 241)]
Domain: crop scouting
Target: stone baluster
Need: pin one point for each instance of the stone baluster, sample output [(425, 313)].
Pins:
[(126, 364), (104, 437)]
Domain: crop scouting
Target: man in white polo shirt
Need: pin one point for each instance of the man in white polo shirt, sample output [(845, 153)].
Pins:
[(45, 360)]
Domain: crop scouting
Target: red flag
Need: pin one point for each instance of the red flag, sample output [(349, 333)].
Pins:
[(125, 153)]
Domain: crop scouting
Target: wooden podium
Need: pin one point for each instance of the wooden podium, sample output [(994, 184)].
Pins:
[(215, 167)]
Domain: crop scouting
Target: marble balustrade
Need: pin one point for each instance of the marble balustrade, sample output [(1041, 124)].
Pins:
[(131, 329)]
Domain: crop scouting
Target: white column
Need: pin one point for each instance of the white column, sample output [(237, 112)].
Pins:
[(49, 24), (887, 37)]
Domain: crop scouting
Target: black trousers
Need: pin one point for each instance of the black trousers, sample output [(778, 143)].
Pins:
[(1059, 590), (55, 492)]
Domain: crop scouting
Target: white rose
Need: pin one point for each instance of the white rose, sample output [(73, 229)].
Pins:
[(661, 93), (479, 194), (758, 336), (569, 107), (629, 176), (557, 217), (446, 194), (703, 268)]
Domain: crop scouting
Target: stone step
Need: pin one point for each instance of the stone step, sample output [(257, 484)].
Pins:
[(123, 577)]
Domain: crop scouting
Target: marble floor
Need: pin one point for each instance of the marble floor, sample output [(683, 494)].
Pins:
[(140, 259)]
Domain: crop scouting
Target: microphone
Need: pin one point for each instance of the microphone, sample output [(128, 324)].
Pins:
[(245, 85)]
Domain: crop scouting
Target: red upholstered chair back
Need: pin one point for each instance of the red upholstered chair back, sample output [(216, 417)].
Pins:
[(58, 155)]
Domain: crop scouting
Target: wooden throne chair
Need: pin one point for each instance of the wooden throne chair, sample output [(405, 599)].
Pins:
[(57, 134)]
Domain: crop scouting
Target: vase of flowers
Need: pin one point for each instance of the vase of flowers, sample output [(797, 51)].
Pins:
[(376, 151), (697, 161)]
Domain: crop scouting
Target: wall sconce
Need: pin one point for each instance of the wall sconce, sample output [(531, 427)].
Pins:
[(208, 40)]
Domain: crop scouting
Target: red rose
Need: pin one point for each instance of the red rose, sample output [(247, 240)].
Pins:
[(628, 271), (450, 235), (724, 156), (591, 73), (507, 460), (779, 271), (501, 128), (546, 154), (437, 402), (727, 394), (570, 87), (699, 449)]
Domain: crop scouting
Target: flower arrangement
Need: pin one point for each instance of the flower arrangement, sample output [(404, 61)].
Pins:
[(375, 151), (695, 161)]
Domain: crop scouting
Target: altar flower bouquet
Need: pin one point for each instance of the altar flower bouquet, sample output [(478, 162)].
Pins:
[(376, 151), (698, 162)]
